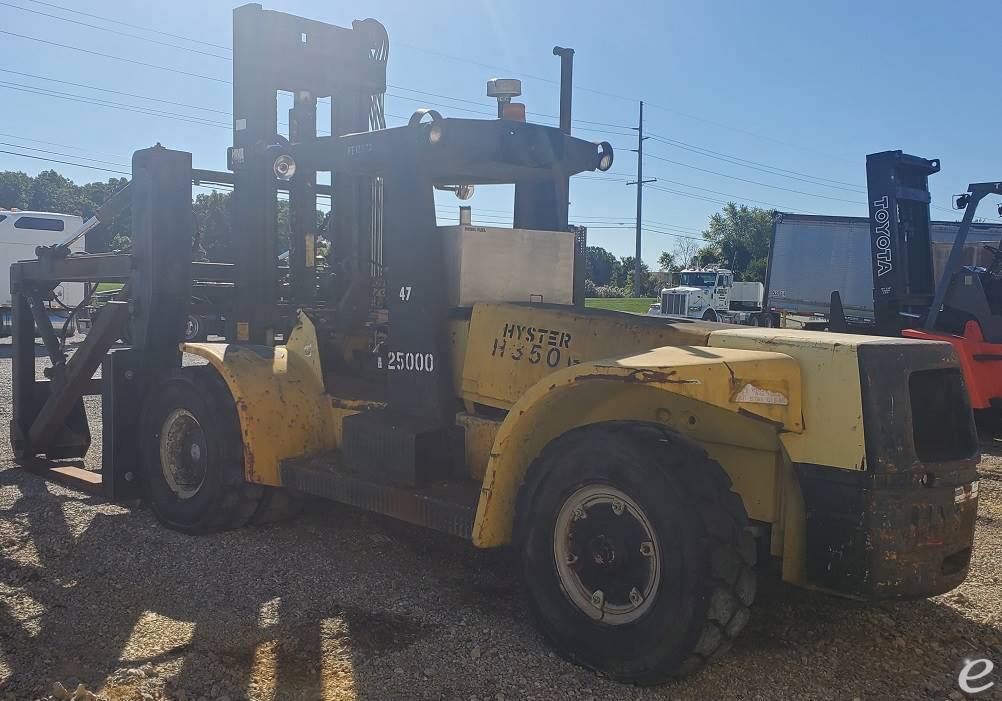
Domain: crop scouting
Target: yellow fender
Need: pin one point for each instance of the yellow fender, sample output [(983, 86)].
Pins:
[(279, 393), (700, 392)]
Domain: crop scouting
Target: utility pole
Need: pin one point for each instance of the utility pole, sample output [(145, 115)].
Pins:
[(639, 182)]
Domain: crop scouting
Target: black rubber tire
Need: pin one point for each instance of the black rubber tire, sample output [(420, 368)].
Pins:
[(769, 321), (224, 500), (709, 315), (707, 551), (194, 329)]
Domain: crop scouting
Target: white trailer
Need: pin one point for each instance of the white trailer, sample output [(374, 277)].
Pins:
[(713, 295), (811, 256), (20, 233)]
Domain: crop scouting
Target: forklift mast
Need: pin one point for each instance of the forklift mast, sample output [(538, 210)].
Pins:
[(380, 302), (377, 298), (345, 71), (903, 279)]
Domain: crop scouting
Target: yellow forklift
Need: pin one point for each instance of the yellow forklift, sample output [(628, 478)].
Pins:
[(644, 469)]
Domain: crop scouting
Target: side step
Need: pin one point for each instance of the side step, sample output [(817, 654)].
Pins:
[(446, 507)]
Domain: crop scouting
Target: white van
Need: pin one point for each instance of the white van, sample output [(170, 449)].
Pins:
[(20, 233)]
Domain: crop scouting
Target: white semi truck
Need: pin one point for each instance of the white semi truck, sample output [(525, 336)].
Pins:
[(713, 295), (20, 233)]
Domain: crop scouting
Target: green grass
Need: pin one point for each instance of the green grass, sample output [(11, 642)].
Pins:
[(108, 287), (626, 304)]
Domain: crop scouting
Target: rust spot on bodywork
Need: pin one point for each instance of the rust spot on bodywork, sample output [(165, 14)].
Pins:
[(642, 376), (486, 492)]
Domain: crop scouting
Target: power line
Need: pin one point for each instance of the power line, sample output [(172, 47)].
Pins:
[(53, 160), (226, 188), (42, 150), (118, 105), (114, 92), (228, 82), (427, 50), (690, 195), (466, 60), (727, 194), (754, 182), (697, 149), (114, 31), (746, 132), (116, 58), (108, 103), (52, 143), (197, 120), (763, 167), (674, 235), (132, 26)]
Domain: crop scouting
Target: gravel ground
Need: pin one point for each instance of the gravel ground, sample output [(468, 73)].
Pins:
[(343, 605)]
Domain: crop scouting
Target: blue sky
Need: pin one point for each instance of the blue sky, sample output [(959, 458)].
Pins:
[(788, 95)]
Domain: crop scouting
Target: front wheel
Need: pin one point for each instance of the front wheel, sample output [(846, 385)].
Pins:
[(709, 315), (635, 552), (192, 466)]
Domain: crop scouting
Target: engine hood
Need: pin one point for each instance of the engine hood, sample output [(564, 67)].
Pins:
[(689, 290)]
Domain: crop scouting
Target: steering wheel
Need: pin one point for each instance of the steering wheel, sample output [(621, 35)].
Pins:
[(995, 267)]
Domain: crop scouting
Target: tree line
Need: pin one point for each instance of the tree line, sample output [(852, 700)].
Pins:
[(51, 192), (737, 237)]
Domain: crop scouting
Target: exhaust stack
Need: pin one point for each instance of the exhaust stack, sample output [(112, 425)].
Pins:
[(566, 85)]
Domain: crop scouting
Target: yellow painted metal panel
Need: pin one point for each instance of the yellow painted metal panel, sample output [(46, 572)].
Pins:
[(833, 410), (695, 391), (279, 397), (480, 434), (511, 347)]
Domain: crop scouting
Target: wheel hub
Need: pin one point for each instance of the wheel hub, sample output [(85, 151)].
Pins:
[(606, 554), (182, 451)]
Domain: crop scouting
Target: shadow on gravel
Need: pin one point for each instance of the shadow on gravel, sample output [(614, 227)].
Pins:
[(253, 613), (322, 608)]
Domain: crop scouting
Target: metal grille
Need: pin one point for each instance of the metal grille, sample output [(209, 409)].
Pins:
[(674, 303)]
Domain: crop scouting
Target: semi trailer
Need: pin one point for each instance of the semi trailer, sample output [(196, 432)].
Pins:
[(811, 256)]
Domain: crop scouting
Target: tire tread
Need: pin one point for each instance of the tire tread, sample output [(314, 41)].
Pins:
[(730, 578), (239, 499)]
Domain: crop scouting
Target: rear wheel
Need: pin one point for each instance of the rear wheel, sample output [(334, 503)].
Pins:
[(709, 315), (192, 454), (635, 552)]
